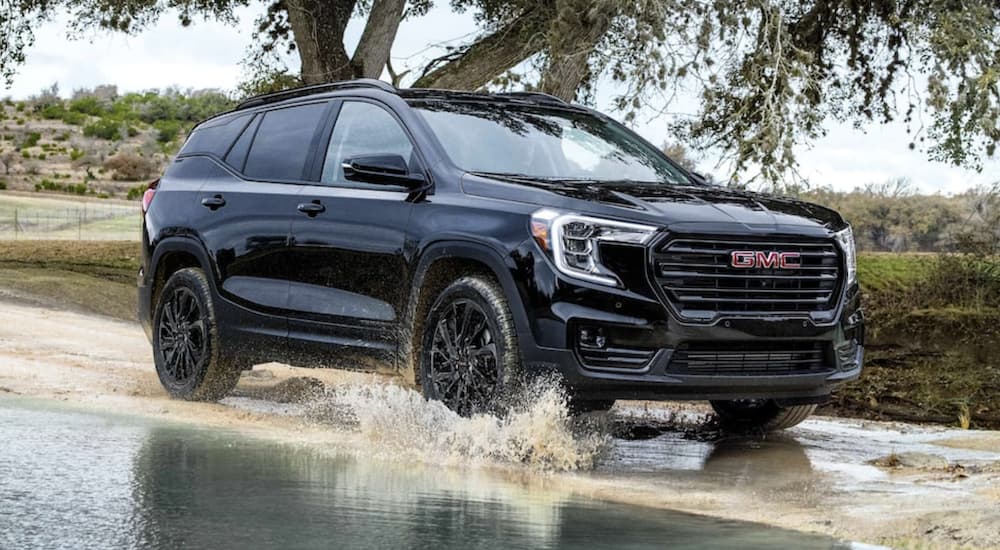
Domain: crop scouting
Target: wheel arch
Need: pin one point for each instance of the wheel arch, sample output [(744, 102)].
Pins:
[(172, 255), (438, 265)]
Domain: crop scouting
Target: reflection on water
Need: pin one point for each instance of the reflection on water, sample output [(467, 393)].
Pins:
[(80, 480)]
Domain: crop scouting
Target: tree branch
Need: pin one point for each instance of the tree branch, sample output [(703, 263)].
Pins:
[(492, 54), (376, 40), (318, 28)]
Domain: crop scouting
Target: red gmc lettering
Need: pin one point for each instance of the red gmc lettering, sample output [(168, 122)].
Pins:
[(748, 259)]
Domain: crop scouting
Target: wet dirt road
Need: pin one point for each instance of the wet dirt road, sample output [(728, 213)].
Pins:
[(942, 489)]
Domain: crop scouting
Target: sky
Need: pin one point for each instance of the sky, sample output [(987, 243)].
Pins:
[(208, 55)]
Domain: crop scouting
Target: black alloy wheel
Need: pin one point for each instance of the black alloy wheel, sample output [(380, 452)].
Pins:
[(181, 335), (464, 361), (186, 347), (469, 357)]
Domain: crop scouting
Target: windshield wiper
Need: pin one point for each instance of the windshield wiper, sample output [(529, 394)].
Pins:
[(571, 179)]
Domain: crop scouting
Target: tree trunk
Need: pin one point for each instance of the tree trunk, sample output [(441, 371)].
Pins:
[(493, 54), (318, 28), (578, 28), (376, 40)]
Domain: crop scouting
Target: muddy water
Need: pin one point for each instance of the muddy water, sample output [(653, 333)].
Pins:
[(75, 479), (818, 477)]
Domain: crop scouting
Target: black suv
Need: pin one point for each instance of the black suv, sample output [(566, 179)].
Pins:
[(465, 239)]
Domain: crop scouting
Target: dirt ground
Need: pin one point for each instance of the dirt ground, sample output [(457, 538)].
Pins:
[(894, 484)]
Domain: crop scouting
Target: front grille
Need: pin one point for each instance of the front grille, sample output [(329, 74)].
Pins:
[(750, 358), (697, 277)]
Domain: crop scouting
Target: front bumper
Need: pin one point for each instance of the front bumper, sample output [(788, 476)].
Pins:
[(557, 310)]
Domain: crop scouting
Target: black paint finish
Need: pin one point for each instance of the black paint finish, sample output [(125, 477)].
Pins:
[(326, 275)]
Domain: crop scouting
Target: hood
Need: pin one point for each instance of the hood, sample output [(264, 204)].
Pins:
[(680, 207)]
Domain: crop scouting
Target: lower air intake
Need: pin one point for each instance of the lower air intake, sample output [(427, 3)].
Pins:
[(751, 358)]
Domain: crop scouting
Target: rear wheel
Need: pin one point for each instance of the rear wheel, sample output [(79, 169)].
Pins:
[(469, 351), (186, 342), (760, 414)]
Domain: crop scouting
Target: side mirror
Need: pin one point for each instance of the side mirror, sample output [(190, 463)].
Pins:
[(381, 170)]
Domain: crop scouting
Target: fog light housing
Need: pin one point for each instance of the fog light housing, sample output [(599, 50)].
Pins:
[(592, 337)]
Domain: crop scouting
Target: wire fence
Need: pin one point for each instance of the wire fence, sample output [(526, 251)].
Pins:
[(87, 221)]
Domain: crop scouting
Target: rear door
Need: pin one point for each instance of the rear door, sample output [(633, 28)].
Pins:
[(247, 211), (350, 283)]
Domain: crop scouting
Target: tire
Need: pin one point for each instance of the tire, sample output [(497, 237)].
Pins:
[(763, 414), (186, 340), (469, 357)]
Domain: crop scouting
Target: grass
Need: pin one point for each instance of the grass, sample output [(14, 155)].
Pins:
[(66, 218), (884, 271), (928, 358), (90, 276)]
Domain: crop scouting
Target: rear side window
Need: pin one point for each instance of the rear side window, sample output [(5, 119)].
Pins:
[(215, 137), (283, 143), (237, 156)]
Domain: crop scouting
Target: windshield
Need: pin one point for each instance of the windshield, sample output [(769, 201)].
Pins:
[(538, 142)]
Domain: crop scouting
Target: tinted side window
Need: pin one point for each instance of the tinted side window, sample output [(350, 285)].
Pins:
[(237, 156), (363, 129), (281, 147), (216, 136)]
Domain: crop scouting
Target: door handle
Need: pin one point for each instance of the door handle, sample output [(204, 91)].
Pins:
[(311, 209), (213, 203)]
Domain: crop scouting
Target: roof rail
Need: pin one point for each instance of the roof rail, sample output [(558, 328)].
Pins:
[(537, 96), (315, 89)]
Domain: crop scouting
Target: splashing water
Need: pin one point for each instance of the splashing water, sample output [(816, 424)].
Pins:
[(537, 431)]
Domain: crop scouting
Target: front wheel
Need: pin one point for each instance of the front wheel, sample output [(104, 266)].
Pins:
[(760, 414), (186, 342), (469, 351)]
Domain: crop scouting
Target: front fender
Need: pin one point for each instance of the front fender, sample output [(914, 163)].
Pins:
[(502, 266)]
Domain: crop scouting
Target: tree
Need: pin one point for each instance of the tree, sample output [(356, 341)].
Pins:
[(316, 25), (769, 74), (679, 154)]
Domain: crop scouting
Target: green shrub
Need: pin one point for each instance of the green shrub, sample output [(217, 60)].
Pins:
[(47, 185), (53, 112), (167, 130), (109, 128), (79, 189), (87, 105), (136, 192), (20, 107), (31, 139), (25, 154), (3, 185), (74, 118), (42, 156), (76, 154)]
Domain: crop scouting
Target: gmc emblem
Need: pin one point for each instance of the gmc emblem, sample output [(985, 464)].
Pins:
[(749, 259)]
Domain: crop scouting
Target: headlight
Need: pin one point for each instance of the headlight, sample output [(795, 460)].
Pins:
[(573, 240), (845, 239)]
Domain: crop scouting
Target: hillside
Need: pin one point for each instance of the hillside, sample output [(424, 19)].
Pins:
[(98, 143)]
